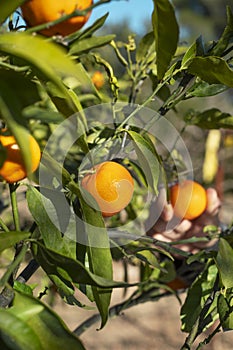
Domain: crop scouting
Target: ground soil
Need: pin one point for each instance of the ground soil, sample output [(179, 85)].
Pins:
[(148, 326)]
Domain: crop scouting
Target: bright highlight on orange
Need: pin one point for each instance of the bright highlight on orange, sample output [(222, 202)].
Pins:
[(189, 199), (111, 185), (36, 12)]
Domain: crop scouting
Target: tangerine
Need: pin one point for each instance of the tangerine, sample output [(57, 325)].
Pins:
[(98, 79), (13, 168), (111, 185), (177, 283), (36, 12), (188, 199)]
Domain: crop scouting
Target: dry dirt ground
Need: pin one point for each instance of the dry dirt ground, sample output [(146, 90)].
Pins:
[(153, 325)]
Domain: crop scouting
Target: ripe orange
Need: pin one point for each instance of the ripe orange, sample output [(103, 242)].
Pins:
[(177, 283), (111, 185), (188, 199), (98, 79), (13, 168), (36, 12)]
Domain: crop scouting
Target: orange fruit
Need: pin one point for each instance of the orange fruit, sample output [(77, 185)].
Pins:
[(13, 168), (36, 12), (177, 283), (111, 185), (98, 79), (188, 199)]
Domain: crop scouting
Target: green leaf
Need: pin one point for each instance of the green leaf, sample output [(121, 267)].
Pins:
[(164, 93), (196, 297), (77, 120), (43, 115), (166, 32), (200, 46), (224, 262), (72, 270), (190, 54), (144, 46), (85, 33), (148, 159), (85, 82), (52, 166), (84, 45), (22, 287), (203, 89), (225, 310), (27, 92), (30, 324), (9, 239), (38, 205), (15, 334), (226, 37), (8, 7), (37, 53), (213, 70), (11, 112), (99, 256), (210, 119), (148, 257), (168, 273), (13, 266), (20, 133)]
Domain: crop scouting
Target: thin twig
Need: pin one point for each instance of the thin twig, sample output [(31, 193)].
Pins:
[(116, 310), (7, 294), (66, 17), (3, 226), (200, 324), (29, 270), (14, 205), (15, 212), (208, 339)]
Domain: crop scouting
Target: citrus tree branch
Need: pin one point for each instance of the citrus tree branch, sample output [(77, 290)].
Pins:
[(200, 324), (29, 270), (116, 310), (7, 294), (3, 226), (14, 205)]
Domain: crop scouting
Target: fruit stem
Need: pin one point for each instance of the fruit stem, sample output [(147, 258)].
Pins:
[(87, 172), (14, 205)]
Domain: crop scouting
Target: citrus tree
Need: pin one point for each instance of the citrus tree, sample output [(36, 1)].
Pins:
[(93, 155)]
